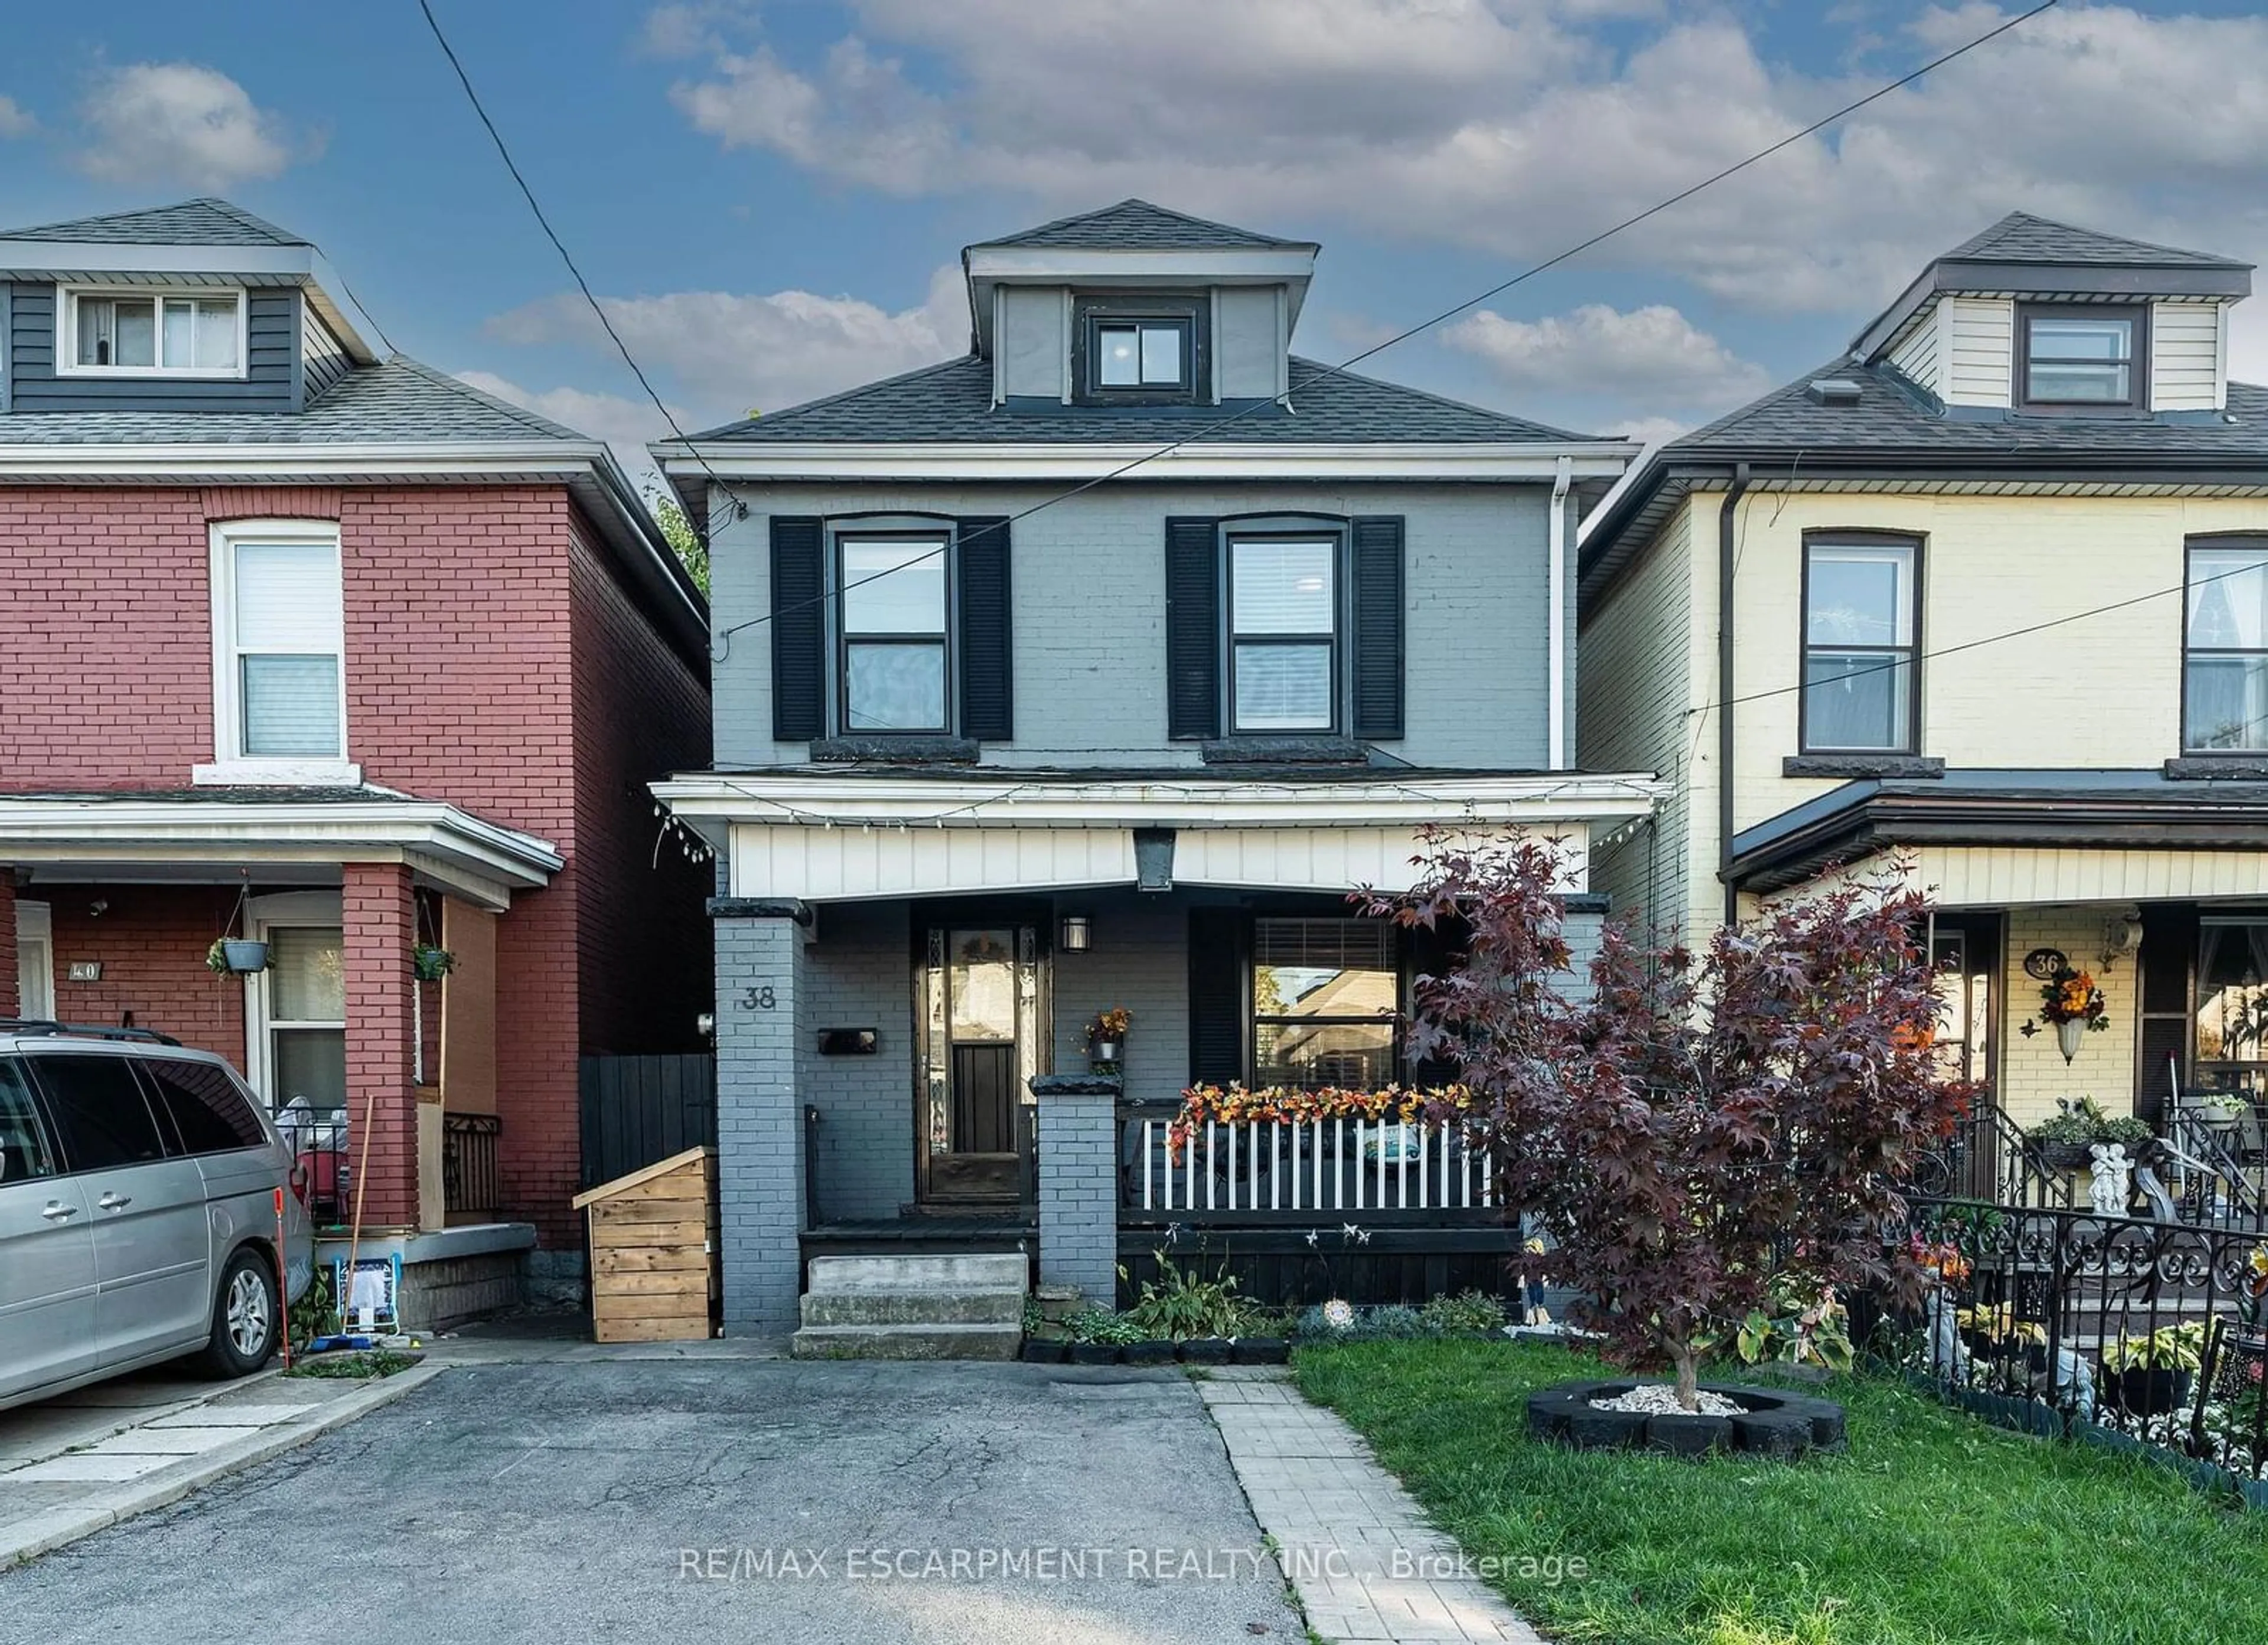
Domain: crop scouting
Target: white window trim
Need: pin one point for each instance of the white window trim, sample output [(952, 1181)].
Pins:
[(231, 764), (323, 909), (67, 362), (35, 939)]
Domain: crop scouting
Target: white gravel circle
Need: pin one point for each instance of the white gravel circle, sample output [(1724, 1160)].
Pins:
[(1659, 1398)]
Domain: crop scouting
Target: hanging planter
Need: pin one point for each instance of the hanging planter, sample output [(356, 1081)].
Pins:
[(431, 964), (237, 957), (2071, 1002)]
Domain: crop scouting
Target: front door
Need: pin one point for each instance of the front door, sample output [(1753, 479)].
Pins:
[(1965, 953), (980, 1017)]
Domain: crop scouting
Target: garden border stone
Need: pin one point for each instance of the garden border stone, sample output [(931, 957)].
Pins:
[(1777, 1423)]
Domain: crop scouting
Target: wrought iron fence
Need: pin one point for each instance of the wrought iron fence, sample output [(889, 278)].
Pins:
[(470, 1182), (2155, 1330)]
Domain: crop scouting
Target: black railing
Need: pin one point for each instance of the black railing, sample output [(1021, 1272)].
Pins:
[(1987, 1157), (317, 1138), (470, 1179), (2148, 1328)]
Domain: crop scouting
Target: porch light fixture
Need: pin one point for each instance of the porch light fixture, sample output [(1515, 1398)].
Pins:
[(1078, 936)]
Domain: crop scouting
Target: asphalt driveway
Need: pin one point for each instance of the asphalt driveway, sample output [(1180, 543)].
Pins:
[(727, 1499)]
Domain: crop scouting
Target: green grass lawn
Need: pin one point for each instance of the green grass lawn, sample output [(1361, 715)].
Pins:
[(1935, 1527)]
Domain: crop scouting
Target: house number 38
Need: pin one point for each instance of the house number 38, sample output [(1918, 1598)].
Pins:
[(758, 999)]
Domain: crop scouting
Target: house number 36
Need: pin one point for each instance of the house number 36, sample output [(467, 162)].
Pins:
[(758, 999)]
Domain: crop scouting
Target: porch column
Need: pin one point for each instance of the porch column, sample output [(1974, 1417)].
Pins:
[(1078, 1136), (380, 928), (759, 1167), (10, 1004)]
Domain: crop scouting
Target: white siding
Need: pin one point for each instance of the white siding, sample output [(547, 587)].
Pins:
[(1635, 686), (2185, 355), (1917, 354), (1978, 356), (1245, 348)]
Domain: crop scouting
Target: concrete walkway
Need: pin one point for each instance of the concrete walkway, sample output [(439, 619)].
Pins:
[(84, 1461), (1366, 1565)]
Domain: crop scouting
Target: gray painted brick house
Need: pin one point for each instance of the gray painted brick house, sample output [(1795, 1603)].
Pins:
[(1005, 738)]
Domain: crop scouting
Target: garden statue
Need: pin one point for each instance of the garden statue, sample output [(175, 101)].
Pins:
[(2110, 1188)]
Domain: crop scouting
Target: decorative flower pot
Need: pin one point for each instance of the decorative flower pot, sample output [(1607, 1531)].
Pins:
[(2068, 1034), (1101, 1052), (244, 957), (2064, 1156)]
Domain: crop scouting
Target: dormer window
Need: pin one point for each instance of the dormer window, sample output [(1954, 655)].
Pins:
[(115, 332), (2081, 357), (1139, 350)]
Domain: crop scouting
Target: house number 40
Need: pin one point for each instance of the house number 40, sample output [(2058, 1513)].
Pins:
[(758, 999)]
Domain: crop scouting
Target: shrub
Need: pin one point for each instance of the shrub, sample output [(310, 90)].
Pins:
[(1180, 1304), (1696, 1129), (1092, 1323), (1469, 1310)]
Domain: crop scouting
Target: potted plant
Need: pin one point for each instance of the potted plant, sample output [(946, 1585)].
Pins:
[(431, 964), (1106, 1039), (2150, 1376), (1994, 1333), (2062, 1143), (2071, 1002), (236, 957)]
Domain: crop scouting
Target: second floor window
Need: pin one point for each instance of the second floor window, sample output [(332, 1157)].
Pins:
[(152, 334), (2225, 683), (1859, 656), (2080, 357), (1282, 602), (896, 665), (281, 663)]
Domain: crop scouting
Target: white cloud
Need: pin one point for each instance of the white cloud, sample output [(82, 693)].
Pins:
[(15, 120), (625, 424), (1516, 127), (180, 122), (733, 352), (1652, 354)]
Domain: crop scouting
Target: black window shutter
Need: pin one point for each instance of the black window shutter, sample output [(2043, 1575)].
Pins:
[(987, 662), (799, 628), (1377, 607), (1221, 939), (1192, 627)]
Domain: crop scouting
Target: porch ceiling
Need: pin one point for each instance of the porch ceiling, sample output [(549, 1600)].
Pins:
[(2000, 876), (832, 836), (298, 835)]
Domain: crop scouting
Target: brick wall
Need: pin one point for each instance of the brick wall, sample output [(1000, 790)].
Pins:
[(639, 713), (1078, 1191), (151, 941), (858, 974), (380, 926), (2033, 1073), (109, 681)]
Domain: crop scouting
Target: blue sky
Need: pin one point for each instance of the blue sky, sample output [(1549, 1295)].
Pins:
[(772, 197)]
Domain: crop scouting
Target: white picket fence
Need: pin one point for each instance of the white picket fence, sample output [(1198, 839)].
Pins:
[(1333, 1166)]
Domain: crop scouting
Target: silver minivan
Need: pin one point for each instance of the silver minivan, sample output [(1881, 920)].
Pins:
[(143, 1196)]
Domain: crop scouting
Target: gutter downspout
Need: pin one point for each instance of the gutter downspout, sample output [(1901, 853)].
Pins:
[(1724, 691), (1556, 738)]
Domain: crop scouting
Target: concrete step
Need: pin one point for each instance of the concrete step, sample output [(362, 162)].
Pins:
[(895, 1307), (906, 1342), (1002, 1271)]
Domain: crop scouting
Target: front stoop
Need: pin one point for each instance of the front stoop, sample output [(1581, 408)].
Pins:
[(963, 1307)]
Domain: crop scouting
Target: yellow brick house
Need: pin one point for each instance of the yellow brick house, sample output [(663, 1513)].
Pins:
[(1988, 593)]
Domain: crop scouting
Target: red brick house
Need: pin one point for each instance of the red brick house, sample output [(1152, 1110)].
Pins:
[(331, 650)]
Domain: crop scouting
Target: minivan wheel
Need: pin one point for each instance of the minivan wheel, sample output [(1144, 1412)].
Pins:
[(245, 1323)]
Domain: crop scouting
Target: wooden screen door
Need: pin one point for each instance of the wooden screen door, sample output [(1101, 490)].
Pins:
[(980, 1019)]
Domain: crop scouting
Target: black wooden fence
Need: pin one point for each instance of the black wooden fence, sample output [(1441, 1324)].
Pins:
[(638, 1110)]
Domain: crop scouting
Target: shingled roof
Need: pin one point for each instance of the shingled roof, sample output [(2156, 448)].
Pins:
[(401, 402), (952, 402), (206, 222), (1137, 225), (2022, 237)]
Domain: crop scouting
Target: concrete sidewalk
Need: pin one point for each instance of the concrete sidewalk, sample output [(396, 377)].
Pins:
[(85, 1460)]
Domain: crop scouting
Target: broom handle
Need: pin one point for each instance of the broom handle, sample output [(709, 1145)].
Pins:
[(362, 1185)]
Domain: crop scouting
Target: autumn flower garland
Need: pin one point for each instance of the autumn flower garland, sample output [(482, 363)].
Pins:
[(1291, 1105)]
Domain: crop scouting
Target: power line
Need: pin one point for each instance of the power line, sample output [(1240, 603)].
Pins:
[(1971, 645), (551, 234), (1343, 366)]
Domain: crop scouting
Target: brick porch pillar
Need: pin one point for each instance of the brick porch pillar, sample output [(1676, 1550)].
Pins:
[(379, 930), (10, 1004), (1078, 1182), (760, 1182)]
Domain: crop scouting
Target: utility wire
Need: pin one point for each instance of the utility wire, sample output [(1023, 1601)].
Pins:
[(551, 234), (1422, 326)]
